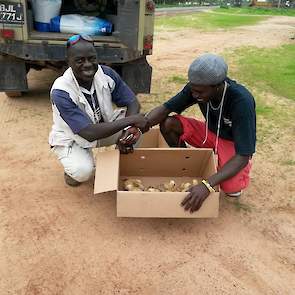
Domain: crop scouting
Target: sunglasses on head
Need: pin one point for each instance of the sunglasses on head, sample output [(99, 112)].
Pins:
[(76, 38)]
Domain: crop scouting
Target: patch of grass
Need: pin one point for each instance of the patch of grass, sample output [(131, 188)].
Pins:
[(257, 11), (206, 21), (238, 205), (288, 163), (264, 110), (269, 75), (269, 69), (178, 80)]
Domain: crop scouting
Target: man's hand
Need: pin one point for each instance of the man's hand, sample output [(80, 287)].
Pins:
[(130, 136), (146, 128), (194, 200), (124, 149), (139, 121)]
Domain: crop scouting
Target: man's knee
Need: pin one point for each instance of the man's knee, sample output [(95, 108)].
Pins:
[(171, 124), (80, 171)]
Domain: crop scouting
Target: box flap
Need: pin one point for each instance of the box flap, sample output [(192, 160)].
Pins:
[(152, 139), (149, 139), (107, 171)]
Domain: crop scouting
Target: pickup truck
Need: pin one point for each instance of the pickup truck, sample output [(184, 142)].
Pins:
[(22, 47)]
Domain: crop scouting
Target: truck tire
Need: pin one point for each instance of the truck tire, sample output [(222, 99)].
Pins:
[(137, 74), (13, 78), (13, 94)]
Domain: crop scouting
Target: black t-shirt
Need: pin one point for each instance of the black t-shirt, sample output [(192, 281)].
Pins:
[(238, 121)]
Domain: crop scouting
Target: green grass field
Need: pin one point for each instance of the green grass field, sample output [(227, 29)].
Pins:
[(269, 69), (206, 21), (269, 74), (257, 11)]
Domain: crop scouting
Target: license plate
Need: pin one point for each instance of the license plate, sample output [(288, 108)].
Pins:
[(11, 13)]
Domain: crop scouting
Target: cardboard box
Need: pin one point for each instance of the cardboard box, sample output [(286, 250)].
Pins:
[(153, 139), (155, 166)]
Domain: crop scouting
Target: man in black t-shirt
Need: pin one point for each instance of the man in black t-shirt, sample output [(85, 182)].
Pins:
[(229, 127)]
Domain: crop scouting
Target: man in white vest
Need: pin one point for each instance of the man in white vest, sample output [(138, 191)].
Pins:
[(83, 116)]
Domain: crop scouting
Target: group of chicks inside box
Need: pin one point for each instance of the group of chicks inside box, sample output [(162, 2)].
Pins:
[(171, 186)]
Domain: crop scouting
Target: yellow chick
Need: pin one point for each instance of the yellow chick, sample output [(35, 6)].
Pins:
[(152, 189), (170, 186), (195, 182), (185, 186), (133, 185)]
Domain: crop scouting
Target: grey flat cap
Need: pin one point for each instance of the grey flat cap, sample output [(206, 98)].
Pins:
[(208, 69)]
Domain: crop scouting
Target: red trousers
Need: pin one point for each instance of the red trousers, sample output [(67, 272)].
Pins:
[(194, 133)]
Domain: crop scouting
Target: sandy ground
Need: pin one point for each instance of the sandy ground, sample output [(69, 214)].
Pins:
[(64, 241)]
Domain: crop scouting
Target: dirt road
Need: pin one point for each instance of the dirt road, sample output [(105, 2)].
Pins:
[(64, 241)]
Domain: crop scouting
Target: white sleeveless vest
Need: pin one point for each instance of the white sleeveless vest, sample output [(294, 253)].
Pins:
[(61, 134)]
